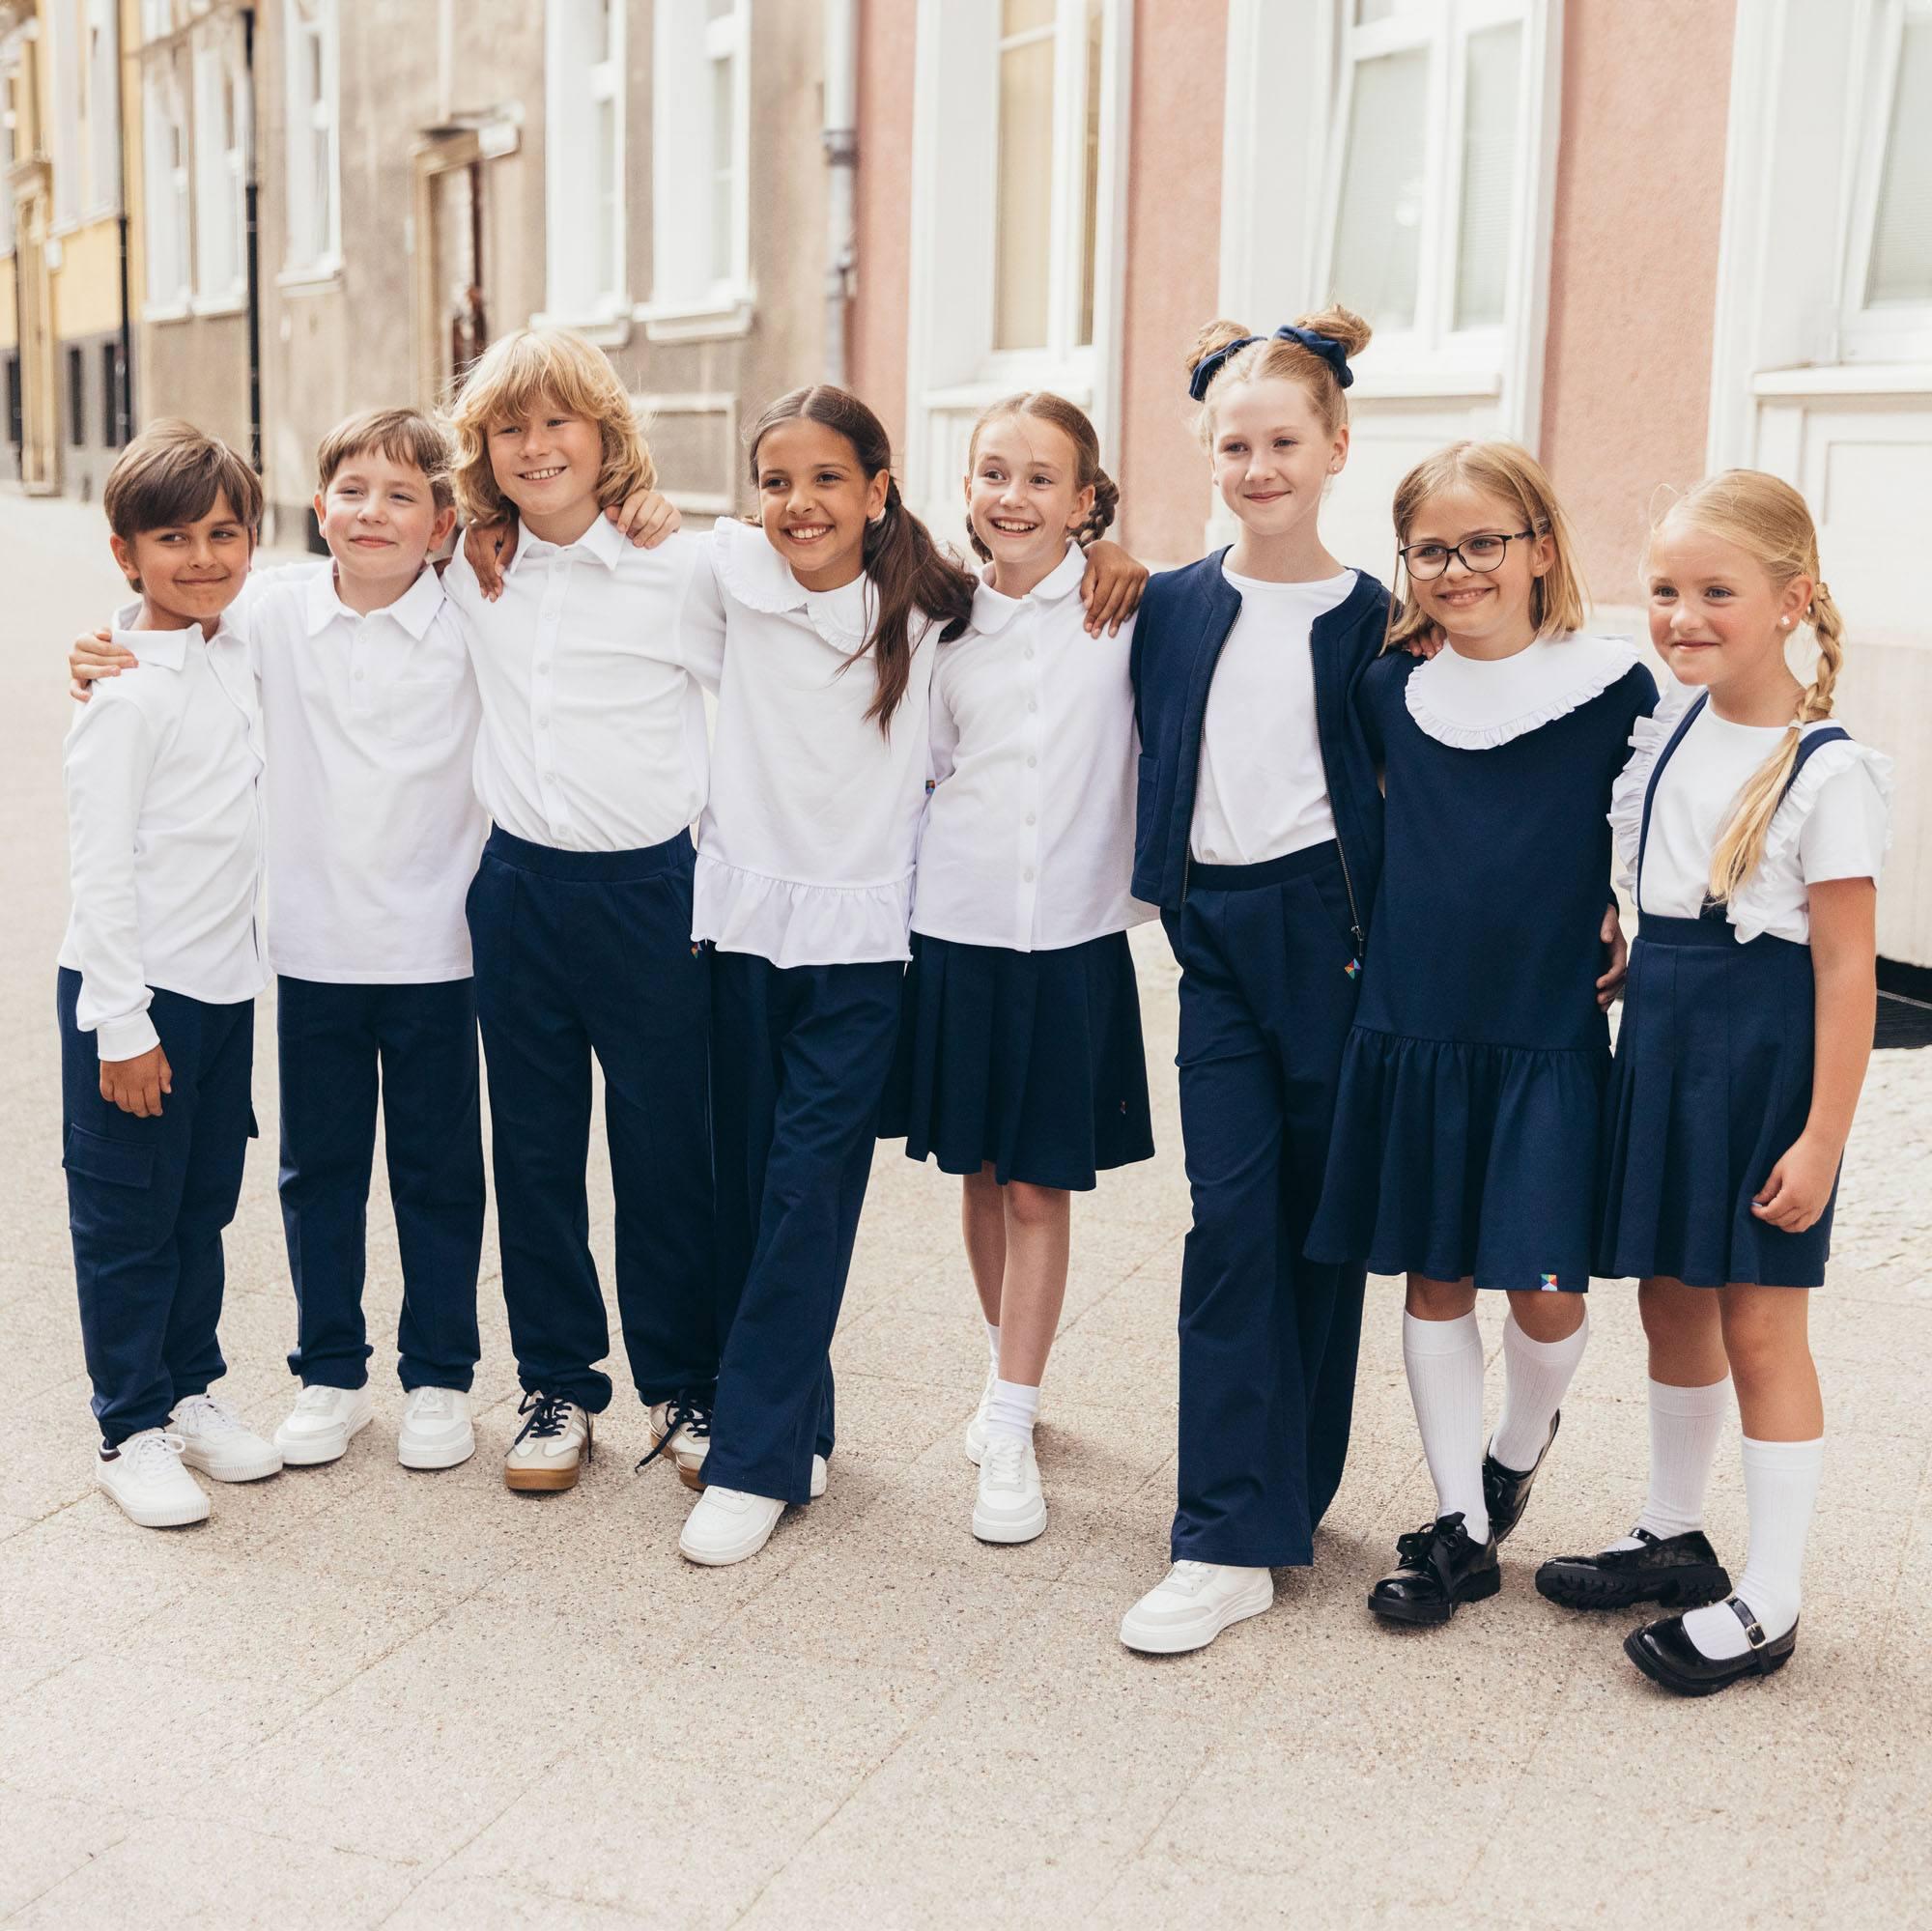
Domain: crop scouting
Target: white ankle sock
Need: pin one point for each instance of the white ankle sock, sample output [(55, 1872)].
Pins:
[(1685, 1424), (1444, 1359), (993, 1344), (1537, 1378), (1012, 1410), (1780, 1487)]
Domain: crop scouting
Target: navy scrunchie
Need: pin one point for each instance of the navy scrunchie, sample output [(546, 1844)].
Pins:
[(1327, 346)]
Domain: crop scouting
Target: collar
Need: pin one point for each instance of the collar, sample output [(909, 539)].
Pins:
[(167, 648), (603, 540), (993, 610), (415, 610), (756, 576)]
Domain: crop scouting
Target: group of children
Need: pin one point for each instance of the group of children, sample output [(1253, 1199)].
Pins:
[(1379, 836)]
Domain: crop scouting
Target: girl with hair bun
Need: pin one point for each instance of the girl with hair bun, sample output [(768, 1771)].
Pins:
[(1755, 829), (1022, 1063), (1259, 836)]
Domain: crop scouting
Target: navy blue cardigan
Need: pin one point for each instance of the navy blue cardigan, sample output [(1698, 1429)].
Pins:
[(1184, 619)]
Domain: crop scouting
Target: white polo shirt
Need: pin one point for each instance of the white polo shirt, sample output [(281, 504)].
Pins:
[(373, 825), (593, 733), (1029, 837), (165, 833), (805, 855)]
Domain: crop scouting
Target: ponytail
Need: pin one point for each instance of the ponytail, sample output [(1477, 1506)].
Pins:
[(911, 576)]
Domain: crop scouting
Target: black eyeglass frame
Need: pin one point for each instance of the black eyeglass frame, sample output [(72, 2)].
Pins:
[(1455, 549)]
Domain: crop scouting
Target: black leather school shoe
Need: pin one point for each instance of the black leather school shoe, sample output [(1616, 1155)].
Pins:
[(1507, 1492), (1678, 1570), (1666, 1654), (1438, 1567)]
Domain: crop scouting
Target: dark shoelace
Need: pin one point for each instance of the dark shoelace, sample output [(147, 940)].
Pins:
[(686, 1412), (1414, 1551), (547, 1413)]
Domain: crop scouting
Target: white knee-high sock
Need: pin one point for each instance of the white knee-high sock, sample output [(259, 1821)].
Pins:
[(1012, 1410), (1537, 1378), (1685, 1424), (1780, 1488), (1444, 1359)]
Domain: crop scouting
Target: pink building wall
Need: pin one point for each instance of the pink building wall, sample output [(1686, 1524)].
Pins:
[(1633, 272), (887, 32)]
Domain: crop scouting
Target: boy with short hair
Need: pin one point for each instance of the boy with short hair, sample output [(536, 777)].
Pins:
[(159, 974)]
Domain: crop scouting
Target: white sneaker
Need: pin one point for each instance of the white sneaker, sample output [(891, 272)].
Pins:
[(145, 1477), (727, 1525), (975, 1429), (681, 1432), (1012, 1506), (322, 1425), (550, 1447), (217, 1442), (1196, 1602), (435, 1430)]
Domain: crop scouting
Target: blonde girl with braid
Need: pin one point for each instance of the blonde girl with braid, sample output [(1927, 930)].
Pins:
[(1755, 829)]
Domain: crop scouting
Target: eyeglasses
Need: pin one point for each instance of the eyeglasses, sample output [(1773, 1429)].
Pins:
[(1482, 554)]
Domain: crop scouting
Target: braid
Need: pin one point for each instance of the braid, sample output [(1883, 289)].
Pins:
[(1828, 628), (1106, 503)]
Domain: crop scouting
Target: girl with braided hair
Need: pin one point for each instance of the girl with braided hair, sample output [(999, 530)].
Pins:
[(1022, 1067), (1755, 829)]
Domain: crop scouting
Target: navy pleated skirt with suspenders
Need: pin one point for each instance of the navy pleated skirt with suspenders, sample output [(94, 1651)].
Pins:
[(1710, 1087)]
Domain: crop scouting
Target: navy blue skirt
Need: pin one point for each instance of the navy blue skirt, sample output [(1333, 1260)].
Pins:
[(1711, 1087), (1032, 1062)]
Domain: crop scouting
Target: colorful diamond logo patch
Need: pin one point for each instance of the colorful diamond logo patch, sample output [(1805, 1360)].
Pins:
[(1548, 1283)]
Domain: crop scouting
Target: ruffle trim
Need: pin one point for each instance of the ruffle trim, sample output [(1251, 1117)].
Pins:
[(1648, 737), (753, 573), (1608, 661), (792, 924)]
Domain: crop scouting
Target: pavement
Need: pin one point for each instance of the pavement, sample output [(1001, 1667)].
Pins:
[(365, 1697)]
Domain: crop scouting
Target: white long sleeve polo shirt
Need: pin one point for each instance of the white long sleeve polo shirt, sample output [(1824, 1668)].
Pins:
[(165, 833), (592, 733), (805, 855), (1029, 837), (374, 826)]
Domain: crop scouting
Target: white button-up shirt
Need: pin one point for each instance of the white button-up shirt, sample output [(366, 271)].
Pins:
[(593, 731), (374, 826), (165, 833), (1029, 839), (805, 856)]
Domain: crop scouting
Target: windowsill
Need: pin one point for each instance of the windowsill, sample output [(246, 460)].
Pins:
[(1426, 384), (313, 276), (717, 320), (1846, 379), (236, 303), (173, 311), (605, 329), (960, 396)]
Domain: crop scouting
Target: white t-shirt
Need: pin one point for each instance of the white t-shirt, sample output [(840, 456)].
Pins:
[(1262, 789), (1833, 822), (1029, 837)]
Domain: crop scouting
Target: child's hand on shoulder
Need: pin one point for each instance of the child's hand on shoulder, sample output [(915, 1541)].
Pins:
[(96, 654), (1111, 587), (645, 517), (1427, 643), (1800, 1187), (489, 548), (136, 1086)]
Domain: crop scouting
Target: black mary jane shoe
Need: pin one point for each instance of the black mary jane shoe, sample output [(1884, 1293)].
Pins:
[(1678, 1570), (1666, 1654), (1438, 1568), (1506, 1491)]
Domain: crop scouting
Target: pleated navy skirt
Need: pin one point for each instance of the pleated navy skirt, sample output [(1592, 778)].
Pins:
[(1030, 1062), (1711, 1086)]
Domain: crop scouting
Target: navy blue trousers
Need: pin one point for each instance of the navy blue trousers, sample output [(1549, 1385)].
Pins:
[(1268, 1338), (801, 1057), (145, 1203), (580, 953), (337, 1044)]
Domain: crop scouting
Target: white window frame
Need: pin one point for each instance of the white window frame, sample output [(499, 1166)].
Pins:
[(310, 256), (572, 81), (220, 172), (62, 129), (12, 82), (101, 56), (687, 303), (168, 238), (952, 369)]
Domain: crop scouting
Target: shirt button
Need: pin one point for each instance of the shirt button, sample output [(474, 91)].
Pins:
[(1208, 857), (1031, 761), (1031, 818), (1029, 650), (359, 673), (1033, 703), (1029, 874)]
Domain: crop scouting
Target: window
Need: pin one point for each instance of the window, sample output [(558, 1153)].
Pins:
[(112, 377), (76, 397), (1888, 292), (314, 175), (221, 167), (583, 161), (62, 130), (1425, 235), (700, 241), (164, 122), (10, 144), (103, 108)]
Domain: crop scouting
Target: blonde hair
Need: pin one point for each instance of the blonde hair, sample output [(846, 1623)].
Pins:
[(404, 436), (1558, 602), (562, 367), (1275, 356), (1072, 422), (1768, 520)]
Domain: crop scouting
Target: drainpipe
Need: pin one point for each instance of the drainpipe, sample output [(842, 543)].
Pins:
[(123, 403), (841, 136), (252, 268)]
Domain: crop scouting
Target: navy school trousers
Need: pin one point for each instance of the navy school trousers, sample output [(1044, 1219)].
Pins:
[(801, 1056), (146, 1201), (1268, 1338), (337, 1044), (580, 953)]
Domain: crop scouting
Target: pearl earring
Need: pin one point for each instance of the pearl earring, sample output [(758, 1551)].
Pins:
[(1785, 621)]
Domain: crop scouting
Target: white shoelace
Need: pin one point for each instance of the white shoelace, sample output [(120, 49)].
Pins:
[(1188, 1576), (432, 1404), (205, 1415), (1004, 1462), (149, 1452), (318, 1400)]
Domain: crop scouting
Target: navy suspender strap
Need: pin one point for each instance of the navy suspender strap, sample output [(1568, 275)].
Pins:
[(1676, 738), (1816, 741)]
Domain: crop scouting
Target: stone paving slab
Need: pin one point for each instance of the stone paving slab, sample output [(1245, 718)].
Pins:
[(366, 1696)]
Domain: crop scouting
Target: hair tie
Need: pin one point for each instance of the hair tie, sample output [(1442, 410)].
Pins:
[(1327, 346)]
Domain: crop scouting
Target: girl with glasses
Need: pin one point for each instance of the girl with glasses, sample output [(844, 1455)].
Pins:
[(1465, 1149)]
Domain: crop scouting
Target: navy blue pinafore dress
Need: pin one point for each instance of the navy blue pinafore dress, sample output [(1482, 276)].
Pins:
[(1711, 1086), (1471, 1093)]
